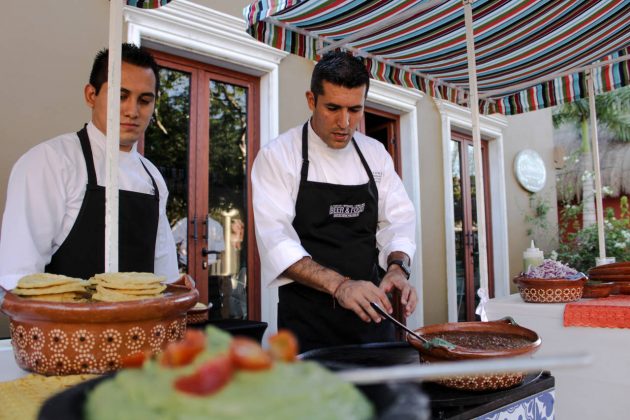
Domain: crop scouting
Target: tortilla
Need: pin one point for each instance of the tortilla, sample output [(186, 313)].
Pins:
[(70, 287), (37, 280), (107, 295), (59, 297), (23, 397), (127, 280), (133, 291)]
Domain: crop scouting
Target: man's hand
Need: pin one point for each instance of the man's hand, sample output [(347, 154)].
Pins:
[(396, 279), (356, 296)]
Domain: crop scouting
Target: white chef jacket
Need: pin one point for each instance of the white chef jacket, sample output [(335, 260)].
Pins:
[(45, 192), (275, 185)]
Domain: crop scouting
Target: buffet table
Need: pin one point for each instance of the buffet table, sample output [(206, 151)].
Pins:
[(599, 391)]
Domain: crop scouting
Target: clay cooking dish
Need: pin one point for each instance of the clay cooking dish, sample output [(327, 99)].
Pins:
[(537, 290), (58, 338), (597, 289), (478, 340)]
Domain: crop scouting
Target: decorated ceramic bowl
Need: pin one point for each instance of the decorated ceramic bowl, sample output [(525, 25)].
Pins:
[(59, 338), (537, 290), (597, 289), (478, 340)]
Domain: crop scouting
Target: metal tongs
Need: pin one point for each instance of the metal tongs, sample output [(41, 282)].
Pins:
[(434, 342)]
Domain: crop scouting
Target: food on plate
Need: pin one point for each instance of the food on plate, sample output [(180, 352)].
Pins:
[(51, 287), (229, 378), (552, 269), (120, 287)]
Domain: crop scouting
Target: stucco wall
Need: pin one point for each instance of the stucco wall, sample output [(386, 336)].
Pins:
[(432, 213), (47, 50), (532, 130)]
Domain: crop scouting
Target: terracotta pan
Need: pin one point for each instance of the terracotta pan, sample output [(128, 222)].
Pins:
[(507, 329)]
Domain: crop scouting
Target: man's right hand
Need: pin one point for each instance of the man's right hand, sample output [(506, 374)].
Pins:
[(356, 296)]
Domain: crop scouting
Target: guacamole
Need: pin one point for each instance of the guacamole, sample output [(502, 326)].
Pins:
[(286, 391)]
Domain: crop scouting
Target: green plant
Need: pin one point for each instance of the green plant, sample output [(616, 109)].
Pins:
[(537, 220), (579, 247)]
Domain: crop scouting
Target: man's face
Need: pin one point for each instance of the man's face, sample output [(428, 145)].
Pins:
[(137, 101), (336, 113)]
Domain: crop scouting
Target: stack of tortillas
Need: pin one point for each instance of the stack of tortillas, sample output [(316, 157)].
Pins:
[(51, 287), (119, 287)]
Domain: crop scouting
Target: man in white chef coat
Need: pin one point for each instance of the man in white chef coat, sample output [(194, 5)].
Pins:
[(54, 219), (331, 216)]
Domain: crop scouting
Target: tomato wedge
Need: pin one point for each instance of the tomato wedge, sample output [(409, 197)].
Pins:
[(283, 346), (209, 378), (135, 360), (249, 355), (183, 352)]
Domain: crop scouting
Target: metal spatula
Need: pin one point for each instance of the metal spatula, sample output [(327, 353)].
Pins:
[(434, 342)]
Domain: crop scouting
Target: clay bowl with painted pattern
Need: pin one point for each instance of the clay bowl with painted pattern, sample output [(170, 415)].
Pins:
[(478, 340), (597, 289), (537, 290), (60, 338)]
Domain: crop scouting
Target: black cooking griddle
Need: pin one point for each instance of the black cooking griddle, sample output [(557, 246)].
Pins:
[(446, 403)]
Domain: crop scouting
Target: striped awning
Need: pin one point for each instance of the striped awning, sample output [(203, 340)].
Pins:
[(147, 4), (530, 54)]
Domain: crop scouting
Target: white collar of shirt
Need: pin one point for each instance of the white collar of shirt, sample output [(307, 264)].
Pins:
[(316, 143)]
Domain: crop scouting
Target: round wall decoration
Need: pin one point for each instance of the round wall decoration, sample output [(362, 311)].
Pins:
[(530, 171)]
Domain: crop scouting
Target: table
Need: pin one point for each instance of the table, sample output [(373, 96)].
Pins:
[(599, 391), (9, 370)]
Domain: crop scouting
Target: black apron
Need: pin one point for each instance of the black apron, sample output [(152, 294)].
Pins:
[(337, 226), (82, 253)]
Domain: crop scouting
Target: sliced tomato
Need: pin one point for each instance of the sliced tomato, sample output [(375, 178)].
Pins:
[(249, 355), (183, 352), (134, 360), (283, 346), (209, 378)]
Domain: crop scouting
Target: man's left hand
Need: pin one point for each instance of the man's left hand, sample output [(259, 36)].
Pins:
[(395, 279)]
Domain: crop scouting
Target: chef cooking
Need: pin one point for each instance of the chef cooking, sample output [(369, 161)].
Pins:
[(54, 219), (334, 225)]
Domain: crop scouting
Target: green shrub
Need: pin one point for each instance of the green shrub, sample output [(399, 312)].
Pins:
[(579, 248)]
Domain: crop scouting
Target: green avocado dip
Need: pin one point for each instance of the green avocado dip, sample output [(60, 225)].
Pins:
[(286, 391)]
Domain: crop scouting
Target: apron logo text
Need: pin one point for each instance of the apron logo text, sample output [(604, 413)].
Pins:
[(346, 210)]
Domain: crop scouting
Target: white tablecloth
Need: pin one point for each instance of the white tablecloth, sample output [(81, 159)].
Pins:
[(9, 370), (600, 391)]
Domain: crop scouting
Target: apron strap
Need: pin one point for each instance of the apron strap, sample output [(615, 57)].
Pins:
[(364, 162), (304, 173), (89, 161), (155, 188), (87, 155)]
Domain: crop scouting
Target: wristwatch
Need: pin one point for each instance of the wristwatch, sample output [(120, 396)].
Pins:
[(403, 265)]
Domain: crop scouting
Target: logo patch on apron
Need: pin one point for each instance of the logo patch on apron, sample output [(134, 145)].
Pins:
[(346, 210)]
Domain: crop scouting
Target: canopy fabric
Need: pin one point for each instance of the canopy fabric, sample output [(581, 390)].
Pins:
[(531, 54), (146, 4)]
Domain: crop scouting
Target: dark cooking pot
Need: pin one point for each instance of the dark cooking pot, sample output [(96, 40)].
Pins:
[(478, 340)]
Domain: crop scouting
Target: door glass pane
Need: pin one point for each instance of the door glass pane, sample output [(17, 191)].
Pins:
[(460, 243), (473, 206), (227, 201), (166, 145)]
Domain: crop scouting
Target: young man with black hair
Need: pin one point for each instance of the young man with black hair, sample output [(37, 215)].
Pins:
[(331, 216), (54, 219)]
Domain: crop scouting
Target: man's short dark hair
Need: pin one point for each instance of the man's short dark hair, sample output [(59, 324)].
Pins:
[(341, 69), (131, 54)]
